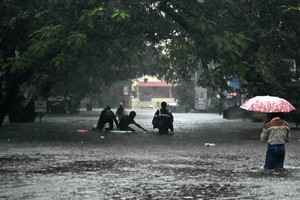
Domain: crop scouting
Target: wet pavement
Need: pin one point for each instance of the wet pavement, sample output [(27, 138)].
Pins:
[(207, 158)]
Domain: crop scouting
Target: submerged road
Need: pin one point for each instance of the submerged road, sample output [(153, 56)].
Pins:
[(144, 166)]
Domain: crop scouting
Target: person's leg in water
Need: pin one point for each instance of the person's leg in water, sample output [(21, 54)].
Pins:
[(279, 157), (269, 159), (126, 128), (130, 129), (275, 157), (163, 130), (100, 125), (171, 127), (111, 125), (165, 126)]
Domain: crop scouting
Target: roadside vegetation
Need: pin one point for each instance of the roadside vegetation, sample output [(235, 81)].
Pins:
[(75, 48)]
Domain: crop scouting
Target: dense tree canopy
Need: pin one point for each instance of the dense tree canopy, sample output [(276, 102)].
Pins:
[(76, 46), (247, 39)]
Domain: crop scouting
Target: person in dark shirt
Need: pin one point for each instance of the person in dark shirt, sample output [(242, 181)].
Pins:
[(107, 116), (120, 112), (126, 120), (163, 120)]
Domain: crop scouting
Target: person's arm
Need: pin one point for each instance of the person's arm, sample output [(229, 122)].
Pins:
[(264, 135), (288, 131), (100, 119), (116, 121), (138, 125), (288, 135), (172, 118)]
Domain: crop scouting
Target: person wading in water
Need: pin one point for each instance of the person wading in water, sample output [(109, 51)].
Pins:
[(126, 120), (163, 120), (276, 134)]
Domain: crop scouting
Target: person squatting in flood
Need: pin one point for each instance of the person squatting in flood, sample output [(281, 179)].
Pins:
[(126, 120), (276, 134), (163, 120), (107, 116)]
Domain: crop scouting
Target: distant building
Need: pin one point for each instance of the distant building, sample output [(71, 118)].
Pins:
[(149, 92), (232, 95), (201, 99)]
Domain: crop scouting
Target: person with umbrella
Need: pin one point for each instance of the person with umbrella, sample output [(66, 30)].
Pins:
[(276, 132)]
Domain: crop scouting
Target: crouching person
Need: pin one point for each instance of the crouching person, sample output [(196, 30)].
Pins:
[(126, 120), (107, 116), (276, 134)]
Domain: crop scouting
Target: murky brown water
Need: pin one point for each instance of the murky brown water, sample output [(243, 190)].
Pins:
[(146, 166)]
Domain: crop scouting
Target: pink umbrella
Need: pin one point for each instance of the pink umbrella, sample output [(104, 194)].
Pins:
[(268, 104)]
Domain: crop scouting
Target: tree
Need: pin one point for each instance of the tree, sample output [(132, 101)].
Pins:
[(15, 25), (72, 47), (80, 45), (249, 40), (185, 94)]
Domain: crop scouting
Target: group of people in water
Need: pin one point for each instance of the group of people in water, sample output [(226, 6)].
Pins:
[(275, 133), (162, 120)]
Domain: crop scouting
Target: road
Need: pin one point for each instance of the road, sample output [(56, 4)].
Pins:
[(143, 166)]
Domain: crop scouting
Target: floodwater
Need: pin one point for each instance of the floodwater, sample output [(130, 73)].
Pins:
[(207, 158)]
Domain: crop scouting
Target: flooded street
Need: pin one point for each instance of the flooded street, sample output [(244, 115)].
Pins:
[(143, 165)]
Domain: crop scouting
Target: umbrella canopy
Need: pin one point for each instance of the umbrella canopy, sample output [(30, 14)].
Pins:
[(268, 104)]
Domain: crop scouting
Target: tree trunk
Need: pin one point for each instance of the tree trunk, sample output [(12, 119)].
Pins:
[(20, 113), (2, 117), (8, 100)]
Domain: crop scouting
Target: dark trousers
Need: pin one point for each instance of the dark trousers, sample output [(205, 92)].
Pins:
[(164, 124), (275, 156), (101, 124), (165, 129)]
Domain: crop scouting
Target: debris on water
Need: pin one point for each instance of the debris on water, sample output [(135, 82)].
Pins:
[(209, 144), (82, 132), (102, 137)]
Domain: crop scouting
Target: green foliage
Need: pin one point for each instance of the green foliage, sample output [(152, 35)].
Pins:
[(120, 15), (247, 39), (185, 94), (80, 46)]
